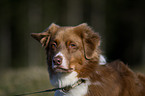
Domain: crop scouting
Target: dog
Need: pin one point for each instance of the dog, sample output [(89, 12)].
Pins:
[(74, 59)]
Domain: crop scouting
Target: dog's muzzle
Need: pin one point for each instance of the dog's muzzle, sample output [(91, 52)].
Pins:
[(58, 65)]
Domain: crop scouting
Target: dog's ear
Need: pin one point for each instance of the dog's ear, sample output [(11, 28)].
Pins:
[(90, 39), (44, 37)]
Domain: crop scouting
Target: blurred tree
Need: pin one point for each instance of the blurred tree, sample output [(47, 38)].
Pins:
[(125, 21), (5, 34), (120, 23)]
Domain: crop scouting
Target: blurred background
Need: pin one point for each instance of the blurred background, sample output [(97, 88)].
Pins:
[(121, 24)]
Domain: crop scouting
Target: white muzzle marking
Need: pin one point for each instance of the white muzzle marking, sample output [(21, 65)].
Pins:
[(64, 62)]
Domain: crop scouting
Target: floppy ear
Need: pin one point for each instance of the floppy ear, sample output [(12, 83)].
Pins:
[(44, 37), (90, 39)]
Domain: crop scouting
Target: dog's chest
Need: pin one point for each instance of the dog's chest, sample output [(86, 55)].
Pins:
[(66, 80)]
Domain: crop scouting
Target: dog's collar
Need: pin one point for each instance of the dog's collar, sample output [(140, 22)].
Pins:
[(67, 88)]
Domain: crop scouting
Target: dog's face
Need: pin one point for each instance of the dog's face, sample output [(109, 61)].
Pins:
[(65, 50), (68, 48)]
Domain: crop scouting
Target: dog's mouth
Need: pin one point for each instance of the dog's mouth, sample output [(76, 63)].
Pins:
[(62, 70)]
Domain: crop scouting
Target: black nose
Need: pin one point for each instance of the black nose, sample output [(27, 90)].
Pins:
[(57, 60)]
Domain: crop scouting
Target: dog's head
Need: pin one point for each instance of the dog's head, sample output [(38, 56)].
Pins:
[(69, 48)]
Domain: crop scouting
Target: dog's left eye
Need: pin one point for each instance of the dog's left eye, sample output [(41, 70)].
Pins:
[(72, 45)]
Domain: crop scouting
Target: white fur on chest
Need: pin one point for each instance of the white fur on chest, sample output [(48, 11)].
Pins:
[(80, 90), (62, 80)]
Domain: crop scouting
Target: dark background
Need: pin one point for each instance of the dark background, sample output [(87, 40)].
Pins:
[(121, 24), (23, 69)]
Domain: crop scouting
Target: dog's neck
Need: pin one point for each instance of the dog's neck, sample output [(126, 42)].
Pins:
[(77, 85), (68, 88), (80, 88)]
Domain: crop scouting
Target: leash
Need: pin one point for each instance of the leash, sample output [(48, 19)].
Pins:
[(49, 90), (64, 89)]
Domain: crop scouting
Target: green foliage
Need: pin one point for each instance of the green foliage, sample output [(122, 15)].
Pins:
[(13, 82)]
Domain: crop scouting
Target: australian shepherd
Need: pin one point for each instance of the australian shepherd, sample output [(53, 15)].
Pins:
[(74, 59)]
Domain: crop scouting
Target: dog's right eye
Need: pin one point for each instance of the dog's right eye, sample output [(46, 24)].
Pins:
[(53, 45)]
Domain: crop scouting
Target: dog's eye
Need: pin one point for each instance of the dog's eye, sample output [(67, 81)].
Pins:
[(53, 45), (72, 45)]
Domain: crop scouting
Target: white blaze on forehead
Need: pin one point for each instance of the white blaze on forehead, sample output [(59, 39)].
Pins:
[(64, 62)]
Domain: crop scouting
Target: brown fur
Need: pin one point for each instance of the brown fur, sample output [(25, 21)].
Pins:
[(112, 79)]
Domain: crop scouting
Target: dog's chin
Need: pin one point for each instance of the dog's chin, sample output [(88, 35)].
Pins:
[(62, 70)]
